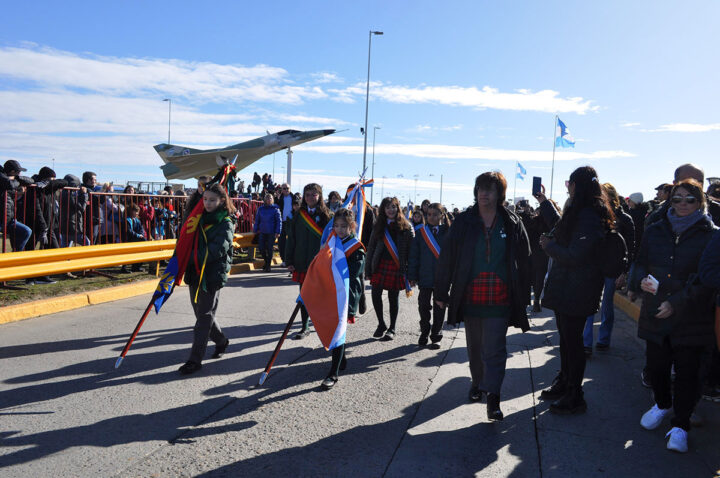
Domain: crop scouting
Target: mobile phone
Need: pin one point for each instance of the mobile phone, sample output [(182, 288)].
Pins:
[(537, 185)]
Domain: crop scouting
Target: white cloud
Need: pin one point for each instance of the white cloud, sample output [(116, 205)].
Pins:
[(468, 152), (426, 128), (547, 101), (326, 77), (195, 81), (629, 125), (685, 128)]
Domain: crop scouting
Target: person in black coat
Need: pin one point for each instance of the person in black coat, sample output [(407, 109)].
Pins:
[(575, 281), (535, 226), (624, 226), (421, 272), (483, 277), (676, 316)]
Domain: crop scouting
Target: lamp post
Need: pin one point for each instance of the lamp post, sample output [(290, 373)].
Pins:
[(367, 94), (372, 190), (169, 100)]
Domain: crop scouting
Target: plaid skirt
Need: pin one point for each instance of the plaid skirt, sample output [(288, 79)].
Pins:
[(299, 277), (387, 276)]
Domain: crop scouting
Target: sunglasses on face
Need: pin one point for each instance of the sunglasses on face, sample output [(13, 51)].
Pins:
[(686, 199)]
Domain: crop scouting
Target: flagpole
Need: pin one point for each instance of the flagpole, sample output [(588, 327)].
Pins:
[(517, 164), (134, 334), (552, 171), (270, 363)]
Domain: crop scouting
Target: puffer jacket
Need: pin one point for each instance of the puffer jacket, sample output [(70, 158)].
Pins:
[(710, 264), (422, 262), (376, 248), (674, 261), (574, 282), (267, 220), (219, 260), (456, 260)]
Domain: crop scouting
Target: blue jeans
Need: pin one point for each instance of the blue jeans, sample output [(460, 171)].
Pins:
[(607, 317), (19, 234)]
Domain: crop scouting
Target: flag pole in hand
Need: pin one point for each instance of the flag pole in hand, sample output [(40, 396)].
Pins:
[(134, 334), (265, 373)]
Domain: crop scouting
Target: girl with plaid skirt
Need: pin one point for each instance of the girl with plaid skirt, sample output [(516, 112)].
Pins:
[(387, 261), (303, 241)]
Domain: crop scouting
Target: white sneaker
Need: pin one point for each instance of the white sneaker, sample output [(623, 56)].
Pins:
[(653, 417), (678, 440)]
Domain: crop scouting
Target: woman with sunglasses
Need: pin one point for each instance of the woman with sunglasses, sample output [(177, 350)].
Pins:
[(676, 316), (575, 280)]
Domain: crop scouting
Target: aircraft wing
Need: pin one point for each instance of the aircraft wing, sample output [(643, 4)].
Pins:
[(185, 163)]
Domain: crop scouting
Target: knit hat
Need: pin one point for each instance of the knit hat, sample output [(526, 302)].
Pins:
[(637, 198), (46, 173)]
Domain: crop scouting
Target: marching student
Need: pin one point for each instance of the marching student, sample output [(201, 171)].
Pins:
[(207, 272), (387, 262), (424, 254), (303, 241), (343, 226)]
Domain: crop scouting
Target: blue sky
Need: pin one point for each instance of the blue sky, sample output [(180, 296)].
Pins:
[(457, 88)]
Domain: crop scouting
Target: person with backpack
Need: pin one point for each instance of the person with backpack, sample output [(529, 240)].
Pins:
[(575, 279), (623, 226), (677, 312)]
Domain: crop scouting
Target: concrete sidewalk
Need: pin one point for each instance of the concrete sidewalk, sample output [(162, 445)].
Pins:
[(397, 410)]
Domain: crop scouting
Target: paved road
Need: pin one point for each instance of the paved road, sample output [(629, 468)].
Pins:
[(398, 411)]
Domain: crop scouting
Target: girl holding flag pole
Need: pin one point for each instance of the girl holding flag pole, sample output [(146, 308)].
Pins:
[(424, 254), (343, 227), (303, 241), (207, 271), (387, 262)]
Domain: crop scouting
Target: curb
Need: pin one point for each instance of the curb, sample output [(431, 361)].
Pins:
[(630, 308), (37, 308)]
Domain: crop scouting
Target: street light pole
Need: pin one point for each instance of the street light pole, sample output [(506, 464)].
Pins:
[(367, 94), (169, 100), (372, 190)]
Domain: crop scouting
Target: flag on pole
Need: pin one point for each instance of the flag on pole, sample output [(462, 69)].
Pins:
[(326, 291), (521, 172), (356, 202), (563, 138)]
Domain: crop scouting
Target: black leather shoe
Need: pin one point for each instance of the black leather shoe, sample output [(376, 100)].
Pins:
[(434, 346), (190, 367), (556, 391), (475, 394), (220, 349), (380, 331), (302, 334), (389, 335), (493, 408), (329, 382), (570, 403), (423, 340)]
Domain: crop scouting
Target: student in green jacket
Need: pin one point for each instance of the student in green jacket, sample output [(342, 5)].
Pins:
[(303, 241), (207, 271)]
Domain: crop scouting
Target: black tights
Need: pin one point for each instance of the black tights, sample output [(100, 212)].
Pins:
[(378, 305), (338, 356)]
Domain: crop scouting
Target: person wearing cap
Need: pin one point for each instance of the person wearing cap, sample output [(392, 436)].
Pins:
[(10, 181), (663, 192)]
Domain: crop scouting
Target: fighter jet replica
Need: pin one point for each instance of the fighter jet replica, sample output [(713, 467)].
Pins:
[(186, 163)]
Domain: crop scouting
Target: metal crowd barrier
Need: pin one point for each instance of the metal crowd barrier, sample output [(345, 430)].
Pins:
[(74, 217)]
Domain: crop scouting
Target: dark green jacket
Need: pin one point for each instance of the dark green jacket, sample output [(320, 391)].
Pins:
[(219, 261), (302, 245)]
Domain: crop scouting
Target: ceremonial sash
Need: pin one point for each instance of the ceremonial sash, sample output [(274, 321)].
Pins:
[(430, 241), (352, 245), (310, 223), (392, 249), (418, 227)]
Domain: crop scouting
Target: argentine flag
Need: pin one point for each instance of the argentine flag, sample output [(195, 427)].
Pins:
[(562, 136), (521, 172)]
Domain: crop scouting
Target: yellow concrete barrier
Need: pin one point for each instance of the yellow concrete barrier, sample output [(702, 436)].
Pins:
[(626, 305)]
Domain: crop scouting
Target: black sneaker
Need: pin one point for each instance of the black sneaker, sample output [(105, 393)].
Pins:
[(556, 391), (434, 346), (494, 413), (475, 394), (389, 335), (302, 334), (380, 331), (423, 340), (329, 382), (190, 367), (44, 280), (220, 349)]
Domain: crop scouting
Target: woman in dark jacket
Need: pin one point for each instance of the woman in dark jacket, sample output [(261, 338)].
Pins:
[(575, 281), (486, 260), (676, 316)]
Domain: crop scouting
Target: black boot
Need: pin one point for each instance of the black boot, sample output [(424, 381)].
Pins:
[(557, 390), (493, 408), (571, 403)]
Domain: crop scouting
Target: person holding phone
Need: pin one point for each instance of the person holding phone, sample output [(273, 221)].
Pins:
[(677, 312)]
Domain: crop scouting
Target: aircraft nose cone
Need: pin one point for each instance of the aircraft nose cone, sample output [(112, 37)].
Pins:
[(328, 131)]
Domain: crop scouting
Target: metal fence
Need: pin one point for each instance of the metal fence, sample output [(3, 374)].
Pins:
[(42, 219)]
